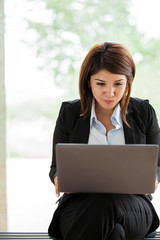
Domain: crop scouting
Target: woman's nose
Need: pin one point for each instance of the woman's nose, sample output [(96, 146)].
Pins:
[(109, 91)]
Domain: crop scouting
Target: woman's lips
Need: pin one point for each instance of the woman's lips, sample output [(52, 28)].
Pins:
[(109, 101)]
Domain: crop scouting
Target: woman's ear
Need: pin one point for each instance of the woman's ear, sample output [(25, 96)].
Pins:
[(127, 89)]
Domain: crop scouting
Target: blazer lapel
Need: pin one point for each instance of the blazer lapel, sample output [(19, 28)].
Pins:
[(80, 132), (129, 132)]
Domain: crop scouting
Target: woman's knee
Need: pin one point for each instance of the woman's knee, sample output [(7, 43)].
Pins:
[(118, 233)]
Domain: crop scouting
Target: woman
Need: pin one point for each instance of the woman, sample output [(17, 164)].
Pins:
[(105, 114)]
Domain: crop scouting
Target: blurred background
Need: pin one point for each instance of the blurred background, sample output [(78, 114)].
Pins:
[(45, 44)]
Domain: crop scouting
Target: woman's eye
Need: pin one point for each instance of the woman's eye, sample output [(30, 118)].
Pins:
[(100, 84), (118, 84)]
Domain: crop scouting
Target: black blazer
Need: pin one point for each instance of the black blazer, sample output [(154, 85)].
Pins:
[(72, 128)]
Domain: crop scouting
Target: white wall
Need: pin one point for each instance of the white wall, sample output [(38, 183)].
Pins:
[(3, 224)]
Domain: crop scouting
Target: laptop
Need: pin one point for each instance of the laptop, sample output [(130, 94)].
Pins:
[(123, 169)]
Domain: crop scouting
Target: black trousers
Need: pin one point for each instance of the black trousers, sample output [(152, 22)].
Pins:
[(105, 216)]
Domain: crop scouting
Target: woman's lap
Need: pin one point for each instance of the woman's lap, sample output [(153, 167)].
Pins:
[(93, 216), (136, 214)]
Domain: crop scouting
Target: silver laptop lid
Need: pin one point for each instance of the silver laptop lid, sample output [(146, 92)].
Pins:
[(128, 169)]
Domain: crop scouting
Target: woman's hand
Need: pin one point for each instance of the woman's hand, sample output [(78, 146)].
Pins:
[(156, 186), (56, 186)]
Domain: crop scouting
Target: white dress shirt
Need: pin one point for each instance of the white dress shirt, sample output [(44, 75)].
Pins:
[(98, 133)]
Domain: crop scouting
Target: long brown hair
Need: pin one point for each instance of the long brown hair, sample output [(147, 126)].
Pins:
[(112, 57)]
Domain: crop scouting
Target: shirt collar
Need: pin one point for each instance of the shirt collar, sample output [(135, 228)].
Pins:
[(116, 117), (93, 114)]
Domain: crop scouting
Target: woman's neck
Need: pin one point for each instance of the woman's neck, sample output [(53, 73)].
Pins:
[(101, 112), (104, 116)]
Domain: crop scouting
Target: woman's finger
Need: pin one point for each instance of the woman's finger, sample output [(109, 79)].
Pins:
[(56, 186)]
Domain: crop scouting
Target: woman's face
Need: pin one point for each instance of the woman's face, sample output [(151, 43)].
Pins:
[(107, 89)]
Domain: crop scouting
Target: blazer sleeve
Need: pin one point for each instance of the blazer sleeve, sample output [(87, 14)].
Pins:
[(61, 133), (152, 129)]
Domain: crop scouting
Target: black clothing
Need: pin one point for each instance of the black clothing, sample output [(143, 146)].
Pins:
[(140, 217)]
